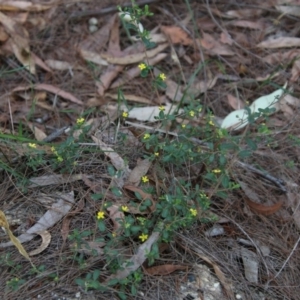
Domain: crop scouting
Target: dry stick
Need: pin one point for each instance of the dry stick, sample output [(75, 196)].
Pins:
[(11, 117), (277, 181), (55, 134), (108, 10), (286, 261)]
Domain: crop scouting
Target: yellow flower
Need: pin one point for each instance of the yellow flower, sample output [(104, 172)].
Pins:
[(161, 108), (183, 125), (216, 171), (211, 123), (125, 114), (142, 66), (125, 208), (32, 145), (146, 136), (156, 154), (143, 237), (192, 113), (162, 76), (203, 195), (193, 212), (220, 133), (145, 179), (100, 215), (59, 158), (141, 220), (80, 121), (114, 234)]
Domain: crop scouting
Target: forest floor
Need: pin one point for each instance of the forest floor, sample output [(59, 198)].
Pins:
[(162, 173)]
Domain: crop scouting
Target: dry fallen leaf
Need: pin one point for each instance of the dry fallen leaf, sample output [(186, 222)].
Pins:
[(250, 263), (173, 90), (225, 38), (202, 86), (150, 113), (14, 240), (135, 71), (164, 269), (130, 97), (58, 65), (90, 248), (93, 57), (46, 239), (116, 159), (140, 170), (263, 209), (113, 71), (177, 35), (39, 134), (249, 24), (144, 196), (134, 58), (52, 89), (208, 42), (117, 216), (235, 102), (19, 42), (282, 57), (23, 5), (136, 260), (295, 71), (53, 179), (39, 62), (50, 218), (244, 13), (281, 42)]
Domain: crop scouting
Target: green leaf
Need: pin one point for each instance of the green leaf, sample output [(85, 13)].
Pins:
[(111, 171), (251, 144), (142, 208), (135, 229), (148, 202), (244, 153), (116, 191), (133, 290), (97, 196), (101, 226), (228, 146), (222, 160), (96, 274), (225, 181)]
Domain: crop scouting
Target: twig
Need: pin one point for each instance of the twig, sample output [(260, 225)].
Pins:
[(288, 258), (108, 10), (55, 134), (269, 177)]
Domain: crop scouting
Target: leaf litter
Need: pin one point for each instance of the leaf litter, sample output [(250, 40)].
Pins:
[(89, 74)]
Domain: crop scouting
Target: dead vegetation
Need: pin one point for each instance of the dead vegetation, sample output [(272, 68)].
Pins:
[(64, 60)]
